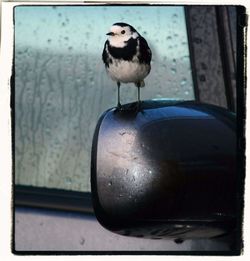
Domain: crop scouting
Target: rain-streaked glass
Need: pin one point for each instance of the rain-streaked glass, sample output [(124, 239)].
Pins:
[(61, 87)]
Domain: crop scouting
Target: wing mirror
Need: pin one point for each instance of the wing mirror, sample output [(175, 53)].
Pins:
[(167, 171)]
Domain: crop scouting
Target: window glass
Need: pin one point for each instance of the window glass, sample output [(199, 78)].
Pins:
[(61, 87)]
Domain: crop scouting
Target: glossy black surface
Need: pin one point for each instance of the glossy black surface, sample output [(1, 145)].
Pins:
[(168, 170)]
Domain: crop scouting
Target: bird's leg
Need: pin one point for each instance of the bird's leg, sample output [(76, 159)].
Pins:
[(118, 96), (138, 84), (139, 98), (138, 94)]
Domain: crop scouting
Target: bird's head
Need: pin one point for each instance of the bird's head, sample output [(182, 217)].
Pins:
[(120, 33)]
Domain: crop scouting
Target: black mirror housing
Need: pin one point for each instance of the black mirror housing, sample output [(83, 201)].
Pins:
[(166, 171)]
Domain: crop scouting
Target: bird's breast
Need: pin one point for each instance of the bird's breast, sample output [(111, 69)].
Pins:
[(128, 71)]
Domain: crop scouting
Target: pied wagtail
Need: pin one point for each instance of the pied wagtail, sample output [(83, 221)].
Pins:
[(126, 56)]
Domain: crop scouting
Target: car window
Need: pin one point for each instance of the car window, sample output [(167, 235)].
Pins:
[(61, 86)]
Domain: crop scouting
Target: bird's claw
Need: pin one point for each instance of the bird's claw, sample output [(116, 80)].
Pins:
[(132, 108), (119, 107)]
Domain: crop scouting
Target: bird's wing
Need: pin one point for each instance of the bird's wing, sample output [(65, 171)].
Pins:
[(145, 52), (105, 56)]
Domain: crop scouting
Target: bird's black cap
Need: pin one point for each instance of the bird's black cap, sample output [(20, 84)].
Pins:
[(124, 24)]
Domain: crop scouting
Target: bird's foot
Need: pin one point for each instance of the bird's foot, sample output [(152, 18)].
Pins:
[(131, 108), (119, 107)]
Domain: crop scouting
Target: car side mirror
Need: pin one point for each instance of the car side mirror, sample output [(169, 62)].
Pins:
[(167, 171)]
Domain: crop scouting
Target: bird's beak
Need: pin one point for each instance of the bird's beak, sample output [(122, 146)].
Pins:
[(110, 33)]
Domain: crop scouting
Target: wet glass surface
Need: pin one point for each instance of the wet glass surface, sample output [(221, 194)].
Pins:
[(61, 87)]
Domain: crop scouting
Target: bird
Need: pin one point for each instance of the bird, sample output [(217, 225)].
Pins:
[(127, 57)]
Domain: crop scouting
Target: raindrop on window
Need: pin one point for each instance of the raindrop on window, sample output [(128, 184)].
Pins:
[(173, 70), (87, 34), (183, 81), (68, 180), (185, 58)]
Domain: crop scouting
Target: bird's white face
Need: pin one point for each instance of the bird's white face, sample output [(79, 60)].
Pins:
[(118, 35)]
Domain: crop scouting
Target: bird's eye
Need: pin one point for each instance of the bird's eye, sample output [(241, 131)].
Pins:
[(123, 32)]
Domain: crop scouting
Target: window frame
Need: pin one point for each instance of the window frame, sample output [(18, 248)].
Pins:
[(58, 199)]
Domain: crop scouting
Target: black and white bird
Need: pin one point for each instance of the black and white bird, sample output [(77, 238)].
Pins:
[(126, 56)]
